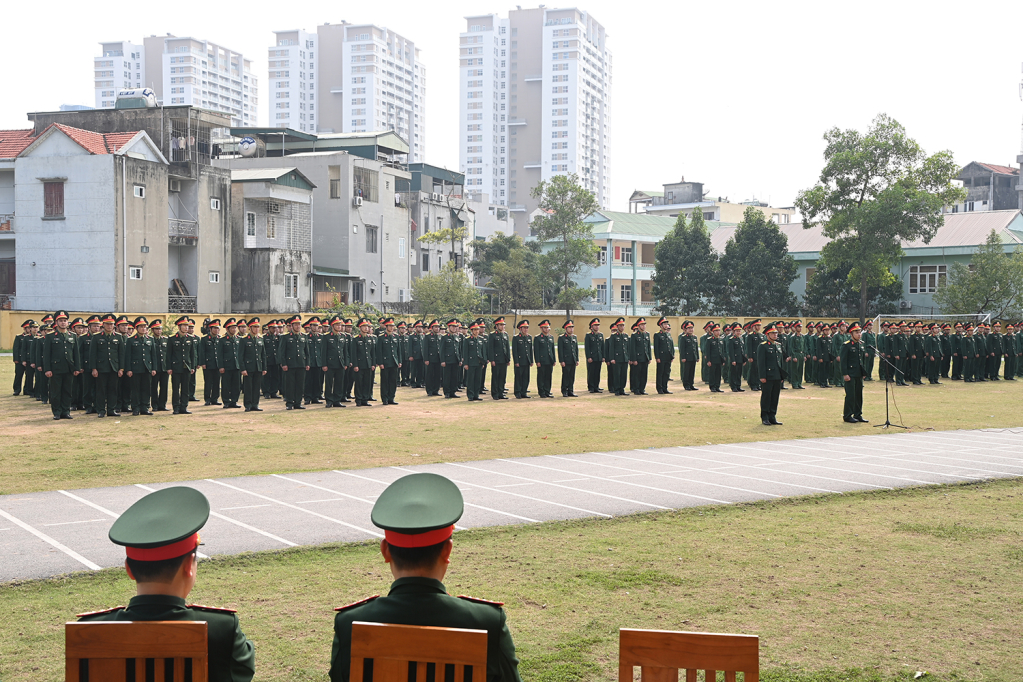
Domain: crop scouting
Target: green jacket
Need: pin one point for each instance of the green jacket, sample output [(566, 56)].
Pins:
[(209, 351), (61, 354), (335, 351), (106, 352), (424, 601), (415, 347), (431, 348), (769, 360), (664, 346), (180, 353), (568, 349), (617, 348), (364, 354), (715, 352), (522, 349), (253, 354), (498, 350), (852, 357), (688, 348), (293, 350), (161, 353), (639, 347), (796, 346), (451, 349), (232, 657), (594, 346), (543, 349), (475, 351), (389, 350), (231, 352), (141, 355)]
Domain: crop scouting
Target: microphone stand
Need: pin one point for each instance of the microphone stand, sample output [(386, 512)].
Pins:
[(887, 422)]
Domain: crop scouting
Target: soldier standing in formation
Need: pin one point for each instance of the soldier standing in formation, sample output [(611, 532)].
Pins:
[(545, 357), (293, 354), (851, 364), (364, 360), (209, 361), (415, 356), (17, 353), (714, 358), (431, 360), (231, 365), (336, 356), (499, 353), (253, 360), (770, 370), (141, 367), (451, 359), (522, 356), (594, 352), (796, 351), (639, 357), (181, 365), (617, 357), (869, 345), (159, 384), (664, 355), (390, 349), (62, 361), (475, 361), (688, 355), (106, 357), (735, 356), (568, 358)]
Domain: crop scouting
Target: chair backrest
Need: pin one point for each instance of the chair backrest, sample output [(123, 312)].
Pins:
[(661, 653), (393, 647), (105, 651)]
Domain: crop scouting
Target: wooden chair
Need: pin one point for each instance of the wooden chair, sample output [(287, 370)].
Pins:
[(108, 651), (660, 654), (393, 647)]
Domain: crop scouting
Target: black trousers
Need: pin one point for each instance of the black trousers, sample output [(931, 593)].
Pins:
[(180, 383), (19, 376), (253, 389), (472, 384), (433, 377), (106, 392), (638, 376), (568, 379), (294, 385), (418, 376), (522, 381), (868, 363), (88, 389), (735, 375), (363, 386), (498, 379), (211, 385), (231, 386), (333, 385), (29, 386), (933, 369), (994, 363), (77, 399), (42, 386), (124, 393), (191, 386), (823, 372), (348, 383), (452, 378), (611, 388), (853, 398), (406, 371), (544, 378), (483, 376), (158, 390), (714, 376), (60, 392), (620, 371), (663, 374), (389, 377), (593, 375), (770, 392), (141, 391), (1010, 366), (272, 381), (946, 364), (314, 383), (689, 374)]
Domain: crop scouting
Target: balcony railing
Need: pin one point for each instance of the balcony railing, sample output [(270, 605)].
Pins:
[(187, 229), (6, 222), (181, 304)]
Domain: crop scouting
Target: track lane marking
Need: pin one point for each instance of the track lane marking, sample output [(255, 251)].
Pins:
[(50, 541)]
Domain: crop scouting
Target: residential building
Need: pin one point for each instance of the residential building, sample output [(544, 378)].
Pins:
[(182, 72), (686, 197), (361, 235), (194, 244), (989, 187), (121, 65), (535, 102), (12, 143), (436, 202), (349, 78), (271, 240)]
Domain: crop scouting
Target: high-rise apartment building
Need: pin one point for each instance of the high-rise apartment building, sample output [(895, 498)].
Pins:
[(535, 102), (182, 71), (348, 78), (122, 65)]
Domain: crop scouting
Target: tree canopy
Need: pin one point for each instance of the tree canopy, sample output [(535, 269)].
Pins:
[(686, 276), (564, 205), (992, 283), (830, 293), (876, 190), (756, 270), (447, 292), (518, 281)]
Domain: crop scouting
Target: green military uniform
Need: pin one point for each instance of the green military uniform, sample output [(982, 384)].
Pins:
[(639, 358), (158, 388), (851, 364), (411, 507), (664, 357), (17, 352), (209, 360), (499, 353), (62, 360), (390, 351), (364, 359), (522, 356), (293, 354), (431, 360), (317, 361), (181, 359), (544, 356), (810, 347), (231, 365), (568, 357), (451, 360), (688, 356), (753, 342), (933, 355), (869, 344), (475, 361), (617, 357), (335, 349), (770, 373), (838, 339), (593, 350), (168, 521), (141, 363), (714, 357), (106, 358), (796, 351), (735, 357), (253, 356), (417, 372)]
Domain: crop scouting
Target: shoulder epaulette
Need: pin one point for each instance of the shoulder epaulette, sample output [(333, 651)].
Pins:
[(357, 603), (477, 600), (215, 609), (100, 612), (849, 341), (763, 342)]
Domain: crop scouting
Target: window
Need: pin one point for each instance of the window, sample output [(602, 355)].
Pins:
[(250, 224), (426, 261), (601, 293), (365, 180), (214, 277), (291, 285), (53, 199), (371, 238), (925, 279), (271, 227), (357, 292), (215, 204), (602, 256), (401, 247), (708, 216), (134, 272), (626, 293), (626, 255), (335, 181), (809, 273), (139, 191)]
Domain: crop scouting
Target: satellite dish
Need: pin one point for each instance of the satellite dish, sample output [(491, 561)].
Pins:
[(248, 147)]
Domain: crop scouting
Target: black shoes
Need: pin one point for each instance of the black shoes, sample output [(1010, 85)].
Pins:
[(849, 420), (765, 422)]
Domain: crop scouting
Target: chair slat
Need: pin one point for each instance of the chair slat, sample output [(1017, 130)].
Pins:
[(710, 676), (650, 674), (392, 647), (657, 651), (729, 676), (691, 674), (108, 645)]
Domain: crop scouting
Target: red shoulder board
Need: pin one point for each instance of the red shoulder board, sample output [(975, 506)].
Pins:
[(477, 600), (216, 609), (97, 613), (357, 603)]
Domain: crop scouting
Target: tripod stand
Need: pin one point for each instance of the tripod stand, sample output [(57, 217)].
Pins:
[(887, 383)]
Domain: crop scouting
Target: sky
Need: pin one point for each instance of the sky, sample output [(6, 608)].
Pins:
[(736, 95)]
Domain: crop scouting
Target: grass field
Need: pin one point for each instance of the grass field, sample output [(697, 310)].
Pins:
[(40, 454), (862, 586)]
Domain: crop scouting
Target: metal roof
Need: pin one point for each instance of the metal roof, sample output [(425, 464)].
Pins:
[(267, 175)]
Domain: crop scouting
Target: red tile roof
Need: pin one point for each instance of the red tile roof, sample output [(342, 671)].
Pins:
[(96, 143), (995, 168), (12, 142)]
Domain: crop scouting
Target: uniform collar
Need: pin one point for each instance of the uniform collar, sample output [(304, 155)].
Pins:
[(417, 584), (156, 600)]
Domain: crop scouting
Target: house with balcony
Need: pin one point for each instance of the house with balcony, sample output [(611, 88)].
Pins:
[(12, 143), (686, 197)]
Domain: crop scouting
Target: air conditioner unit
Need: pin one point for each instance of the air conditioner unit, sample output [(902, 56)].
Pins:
[(175, 185), (905, 305), (356, 201), (438, 197)]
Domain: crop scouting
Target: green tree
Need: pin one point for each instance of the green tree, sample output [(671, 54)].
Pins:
[(757, 269), (992, 283), (498, 249), (448, 234), (517, 281), (830, 293), (877, 190), (448, 292), (686, 275), (565, 204)]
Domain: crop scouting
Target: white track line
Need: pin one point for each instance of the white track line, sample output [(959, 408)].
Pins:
[(1001, 442), (50, 541), (247, 506), (71, 523), (89, 504), (847, 471), (478, 506), (898, 468), (963, 461)]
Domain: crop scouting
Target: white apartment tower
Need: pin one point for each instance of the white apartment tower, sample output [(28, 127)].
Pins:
[(182, 71), (535, 102), (349, 78), (121, 65), (292, 81)]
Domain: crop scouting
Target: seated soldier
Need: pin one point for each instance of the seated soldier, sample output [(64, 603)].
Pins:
[(418, 515), (160, 534)]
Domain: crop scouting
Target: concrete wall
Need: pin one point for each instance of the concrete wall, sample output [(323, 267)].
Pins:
[(144, 223), (525, 143), (259, 281), (330, 64), (214, 250)]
